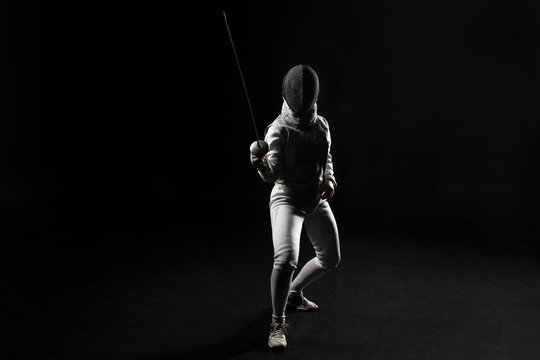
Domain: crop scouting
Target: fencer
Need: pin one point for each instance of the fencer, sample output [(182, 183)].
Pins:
[(299, 165)]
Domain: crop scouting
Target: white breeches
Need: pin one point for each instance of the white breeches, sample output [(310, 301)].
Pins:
[(287, 218)]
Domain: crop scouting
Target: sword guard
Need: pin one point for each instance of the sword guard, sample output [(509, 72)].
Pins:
[(259, 148)]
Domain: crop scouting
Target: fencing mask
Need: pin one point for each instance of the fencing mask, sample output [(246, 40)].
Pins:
[(300, 88)]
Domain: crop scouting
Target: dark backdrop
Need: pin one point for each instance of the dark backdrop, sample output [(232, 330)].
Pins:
[(122, 119)]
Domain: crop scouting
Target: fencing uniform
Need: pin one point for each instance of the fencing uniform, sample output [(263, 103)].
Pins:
[(298, 162)]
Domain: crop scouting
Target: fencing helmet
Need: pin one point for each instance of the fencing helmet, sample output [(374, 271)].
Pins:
[(300, 88)]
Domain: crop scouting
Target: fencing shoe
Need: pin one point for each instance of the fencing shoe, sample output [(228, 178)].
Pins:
[(299, 302), (277, 340)]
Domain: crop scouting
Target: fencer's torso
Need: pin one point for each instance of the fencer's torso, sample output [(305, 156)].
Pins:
[(299, 157), (303, 154)]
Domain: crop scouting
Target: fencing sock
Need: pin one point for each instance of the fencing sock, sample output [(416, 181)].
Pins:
[(280, 281), (311, 271)]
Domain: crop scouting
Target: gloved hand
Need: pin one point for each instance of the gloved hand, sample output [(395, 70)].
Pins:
[(260, 163), (257, 151), (328, 188)]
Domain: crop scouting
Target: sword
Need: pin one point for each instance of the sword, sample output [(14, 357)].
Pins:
[(259, 147)]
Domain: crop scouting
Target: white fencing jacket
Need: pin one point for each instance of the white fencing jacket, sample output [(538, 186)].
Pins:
[(299, 158)]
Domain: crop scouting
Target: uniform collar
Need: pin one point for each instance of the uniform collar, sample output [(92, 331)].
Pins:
[(299, 121)]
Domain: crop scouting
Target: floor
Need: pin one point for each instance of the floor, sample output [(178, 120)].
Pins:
[(154, 297)]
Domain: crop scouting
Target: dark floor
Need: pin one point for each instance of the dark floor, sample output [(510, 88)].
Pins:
[(391, 298)]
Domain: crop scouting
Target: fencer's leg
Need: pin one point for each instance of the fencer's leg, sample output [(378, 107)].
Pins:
[(322, 230), (286, 229), (280, 281)]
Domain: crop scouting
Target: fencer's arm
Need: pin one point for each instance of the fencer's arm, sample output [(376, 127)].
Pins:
[(269, 165), (329, 170)]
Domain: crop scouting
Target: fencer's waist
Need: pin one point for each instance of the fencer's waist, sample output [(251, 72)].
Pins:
[(305, 198), (299, 185), (301, 179)]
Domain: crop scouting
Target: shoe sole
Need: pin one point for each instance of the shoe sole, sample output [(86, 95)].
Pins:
[(277, 347), (301, 308)]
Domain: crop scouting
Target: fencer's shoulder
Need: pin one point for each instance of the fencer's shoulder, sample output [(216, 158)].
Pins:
[(322, 121), (279, 121), (275, 127)]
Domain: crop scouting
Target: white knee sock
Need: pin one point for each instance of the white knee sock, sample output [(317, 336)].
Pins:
[(311, 271), (280, 281)]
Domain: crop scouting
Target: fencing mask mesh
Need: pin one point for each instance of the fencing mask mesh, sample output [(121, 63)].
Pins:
[(301, 88)]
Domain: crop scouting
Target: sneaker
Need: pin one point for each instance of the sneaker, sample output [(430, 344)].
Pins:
[(299, 302), (277, 339)]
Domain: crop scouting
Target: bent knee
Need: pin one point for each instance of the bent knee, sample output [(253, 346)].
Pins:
[(286, 260), (330, 263), (287, 266), (336, 262)]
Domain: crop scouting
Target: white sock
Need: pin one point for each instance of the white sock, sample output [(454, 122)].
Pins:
[(311, 271), (280, 281)]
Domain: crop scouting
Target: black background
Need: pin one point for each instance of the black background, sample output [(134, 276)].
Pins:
[(130, 118), (125, 126)]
